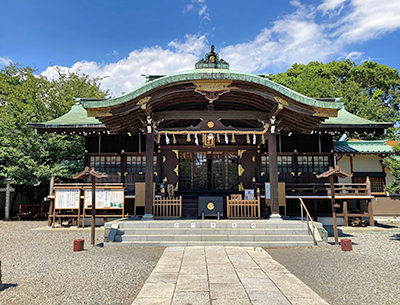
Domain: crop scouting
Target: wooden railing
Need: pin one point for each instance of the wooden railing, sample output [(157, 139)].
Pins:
[(305, 189), (341, 189), (242, 208), (167, 207), (311, 231), (350, 189)]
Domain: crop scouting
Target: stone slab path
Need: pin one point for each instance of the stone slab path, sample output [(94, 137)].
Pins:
[(220, 275)]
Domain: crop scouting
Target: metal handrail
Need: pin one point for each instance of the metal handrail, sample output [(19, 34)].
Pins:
[(310, 232)]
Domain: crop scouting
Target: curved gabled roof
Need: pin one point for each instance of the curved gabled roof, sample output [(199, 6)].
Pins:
[(208, 74)]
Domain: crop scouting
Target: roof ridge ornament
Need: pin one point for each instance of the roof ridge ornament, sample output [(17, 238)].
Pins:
[(212, 61)]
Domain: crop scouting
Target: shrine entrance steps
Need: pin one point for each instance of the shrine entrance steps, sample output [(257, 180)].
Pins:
[(187, 232)]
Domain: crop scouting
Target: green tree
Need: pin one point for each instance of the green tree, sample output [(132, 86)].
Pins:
[(369, 90), (30, 159), (393, 164)]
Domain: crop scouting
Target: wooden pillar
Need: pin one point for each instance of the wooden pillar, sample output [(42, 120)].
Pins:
[(345, 214), (93, 227), (335, 230), (273, 175), (371, 214), (148, 205)]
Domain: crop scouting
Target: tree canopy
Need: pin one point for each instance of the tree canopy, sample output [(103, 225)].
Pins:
[(30, 159), (369, 90)]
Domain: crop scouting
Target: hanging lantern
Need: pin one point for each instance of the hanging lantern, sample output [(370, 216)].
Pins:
[(254, 139), (173, 139), (248, 139), (188, 137), (167, 139), (233, 138), (196, 140), (226, 138)]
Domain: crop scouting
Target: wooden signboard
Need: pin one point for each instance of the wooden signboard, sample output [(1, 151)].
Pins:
[(107, 198), (66, 198)]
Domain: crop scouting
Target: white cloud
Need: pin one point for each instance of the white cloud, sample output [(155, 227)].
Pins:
[(188, 8), (126, 74), (368, 20), (193, 44), (310, 33), (113, 53), (5, 61), (201, 8), (330, 5), (354, 55)]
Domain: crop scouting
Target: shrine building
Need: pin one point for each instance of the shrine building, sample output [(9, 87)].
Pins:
[(213, 132)]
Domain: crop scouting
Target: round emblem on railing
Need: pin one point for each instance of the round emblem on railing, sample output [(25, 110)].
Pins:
[(210, 206)]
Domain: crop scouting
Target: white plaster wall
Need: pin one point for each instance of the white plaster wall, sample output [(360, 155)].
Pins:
[(367, 163), (344, 163)]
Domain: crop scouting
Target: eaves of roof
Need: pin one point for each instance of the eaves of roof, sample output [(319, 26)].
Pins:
[(362, 147), (208, 74)]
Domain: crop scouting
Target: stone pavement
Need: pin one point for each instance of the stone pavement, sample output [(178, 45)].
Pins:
[(222, 275)]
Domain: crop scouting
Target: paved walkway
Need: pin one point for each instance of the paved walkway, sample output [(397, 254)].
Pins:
[(222, 275)]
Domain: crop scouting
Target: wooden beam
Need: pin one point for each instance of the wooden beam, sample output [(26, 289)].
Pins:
[(210, 115), (276, 110)]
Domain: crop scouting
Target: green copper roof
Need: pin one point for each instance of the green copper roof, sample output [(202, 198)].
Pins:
[(208, 74), (76, 117), (362, 147), (346, 118)]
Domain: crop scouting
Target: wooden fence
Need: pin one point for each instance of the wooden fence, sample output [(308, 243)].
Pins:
[(167, 207), (242, 208)]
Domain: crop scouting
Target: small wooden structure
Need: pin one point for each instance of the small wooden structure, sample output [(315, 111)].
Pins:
[(93, 174), (345, 192)]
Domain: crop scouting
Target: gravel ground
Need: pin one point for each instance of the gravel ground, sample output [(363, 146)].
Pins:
[(41, 268), (370, 274)]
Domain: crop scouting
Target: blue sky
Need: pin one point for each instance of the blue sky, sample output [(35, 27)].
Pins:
[(124, 39)]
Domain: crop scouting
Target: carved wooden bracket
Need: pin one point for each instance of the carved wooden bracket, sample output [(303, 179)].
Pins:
[(212, 90)]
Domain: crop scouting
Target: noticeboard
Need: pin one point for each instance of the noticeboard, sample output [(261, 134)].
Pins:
[(67, 198), (106, 198)]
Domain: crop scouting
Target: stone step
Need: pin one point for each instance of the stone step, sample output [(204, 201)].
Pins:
[(264, 244), (240, 224), (209, 231), (201, 237)]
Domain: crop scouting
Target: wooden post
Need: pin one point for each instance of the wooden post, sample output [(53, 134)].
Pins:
[(148, 203), (371, 214), (93, 228), (335, 229), (273, 175), (345, 214), (51, 205)]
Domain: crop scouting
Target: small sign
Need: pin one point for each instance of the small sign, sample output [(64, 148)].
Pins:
[(267, 191), (176, 224), (253, 225), (213, 225), (249, 194), (234, 225), (193, 225)]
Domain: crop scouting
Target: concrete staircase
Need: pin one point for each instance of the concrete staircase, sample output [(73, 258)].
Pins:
[(169, 233)]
